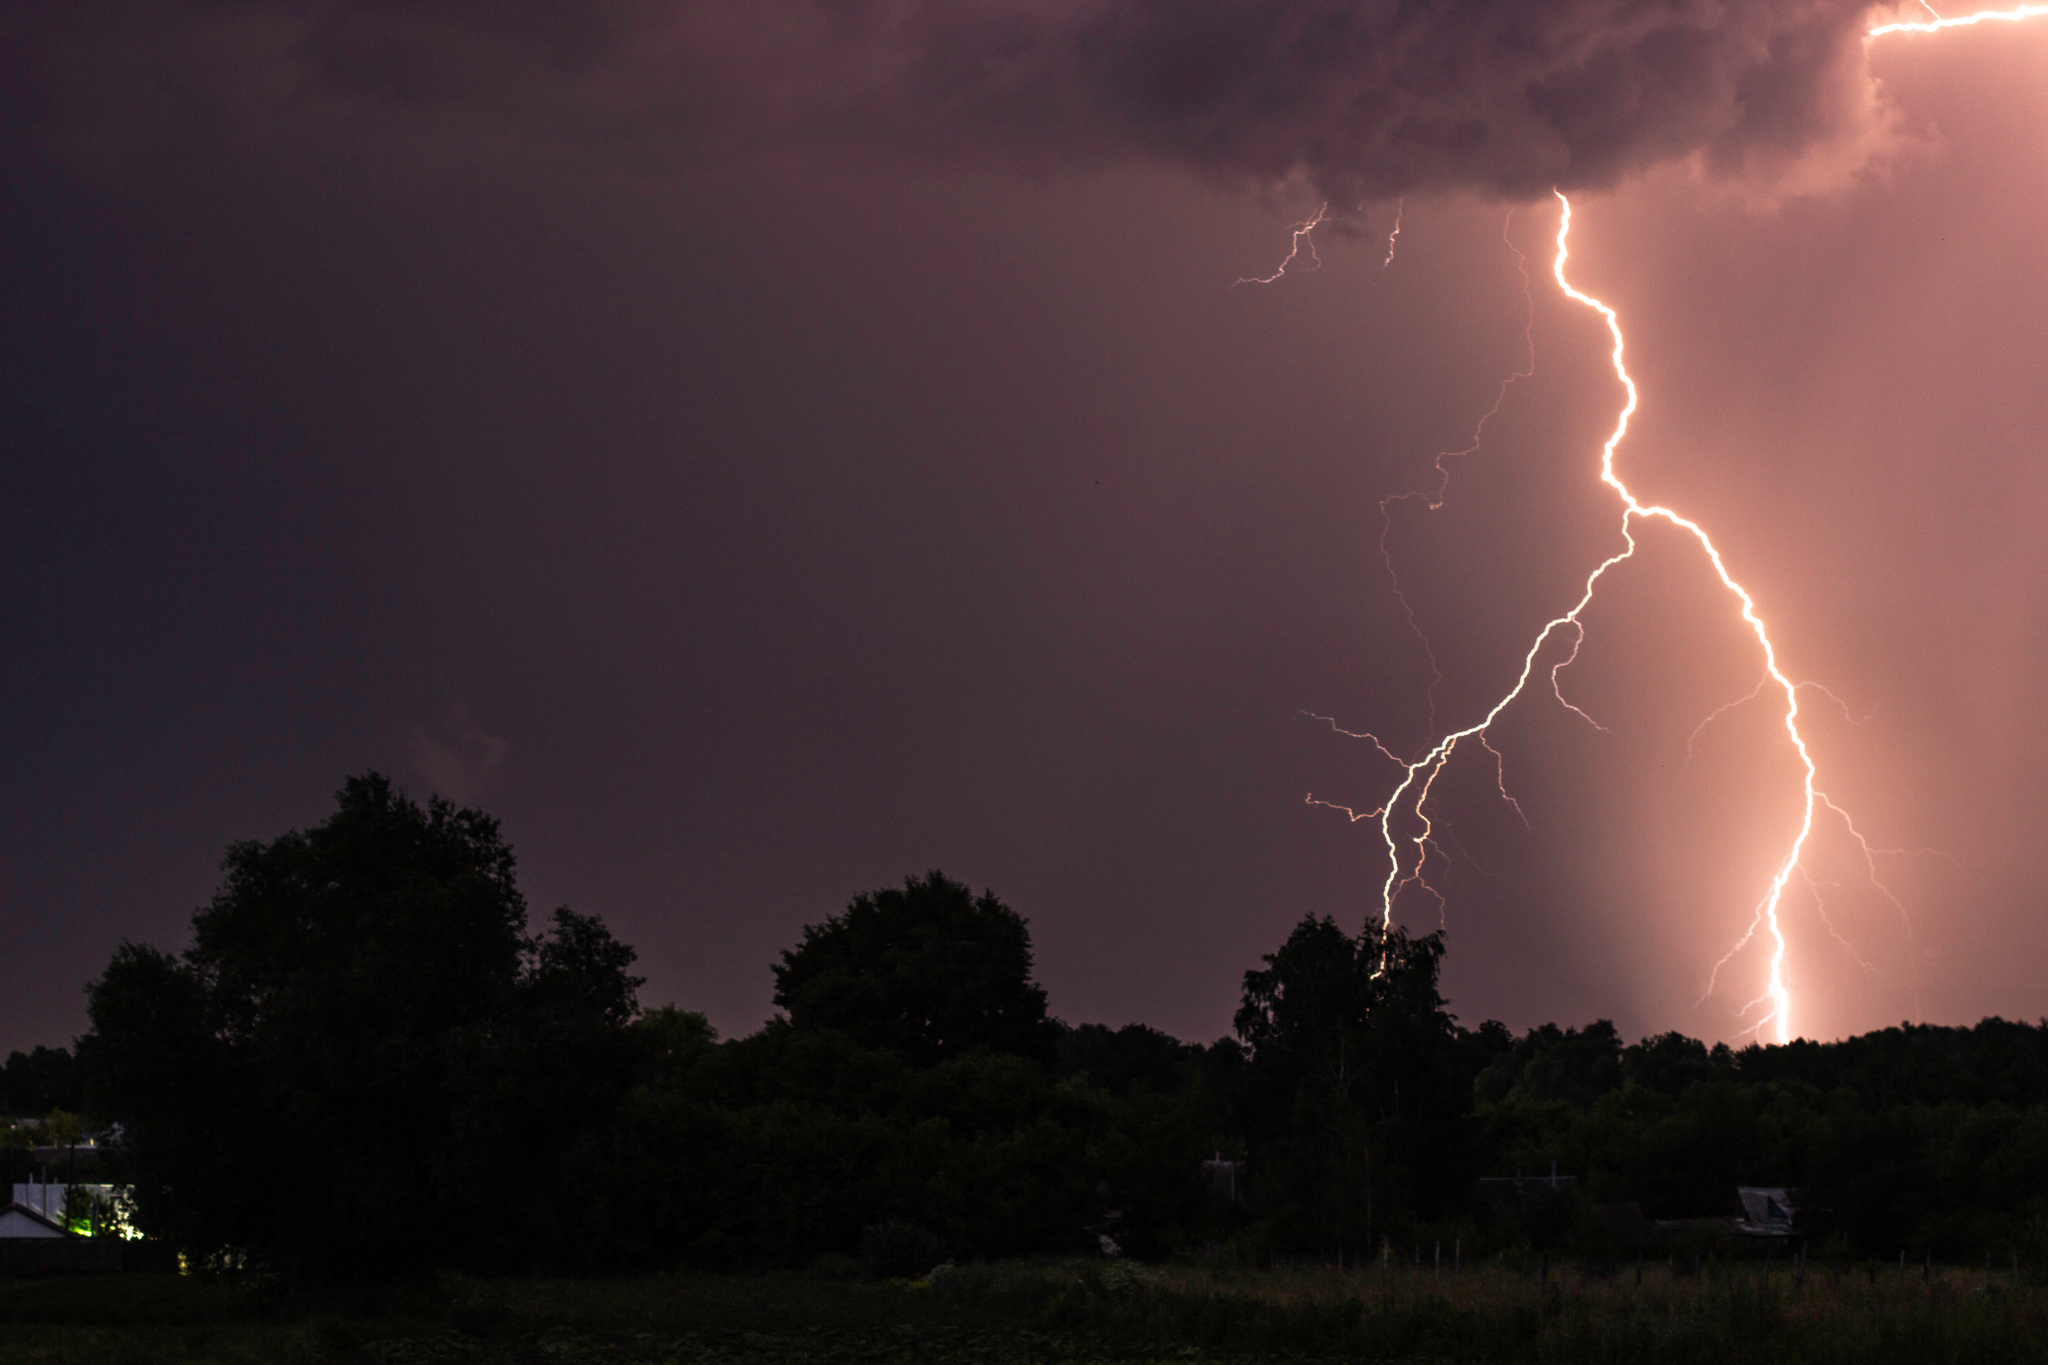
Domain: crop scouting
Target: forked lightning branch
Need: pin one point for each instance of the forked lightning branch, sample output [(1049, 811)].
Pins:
[(1404, 820)]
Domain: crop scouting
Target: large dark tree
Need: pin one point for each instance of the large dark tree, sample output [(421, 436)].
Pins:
[(1356, 1085), (364, 1062), (930, 972)]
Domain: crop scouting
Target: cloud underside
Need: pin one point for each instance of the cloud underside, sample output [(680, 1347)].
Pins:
[(1367, 99)]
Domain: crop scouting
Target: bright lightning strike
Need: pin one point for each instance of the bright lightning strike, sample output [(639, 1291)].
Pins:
[(1776, 994), (1408, 854), (2007, 16)]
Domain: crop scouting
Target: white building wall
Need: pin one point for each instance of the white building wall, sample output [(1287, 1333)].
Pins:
[(48, 1200)]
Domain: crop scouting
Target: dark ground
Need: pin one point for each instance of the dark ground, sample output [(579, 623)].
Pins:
[(1055, 1312)]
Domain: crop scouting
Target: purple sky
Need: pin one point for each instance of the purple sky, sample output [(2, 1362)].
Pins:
[(757, 463)]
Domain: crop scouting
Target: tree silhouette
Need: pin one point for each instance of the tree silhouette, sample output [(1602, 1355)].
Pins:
[(364, 1053), (929, 972), (1356, 1083)]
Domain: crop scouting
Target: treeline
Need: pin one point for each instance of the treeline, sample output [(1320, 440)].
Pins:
[(1921, 1139), (368, 1064)]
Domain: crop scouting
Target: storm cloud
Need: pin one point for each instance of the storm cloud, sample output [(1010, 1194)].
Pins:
[(1365, 98)]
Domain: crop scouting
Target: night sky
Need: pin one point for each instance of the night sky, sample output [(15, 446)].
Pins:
[(759, 450)]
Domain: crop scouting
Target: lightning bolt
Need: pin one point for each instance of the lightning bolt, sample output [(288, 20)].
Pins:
[(1934, 25), (1408, 852), (1395, 235), (1303, 236), (1692, 740), (1775, 994)]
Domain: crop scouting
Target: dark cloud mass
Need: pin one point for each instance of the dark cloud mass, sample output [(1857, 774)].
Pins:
[(1508, 98), (1371, 98)]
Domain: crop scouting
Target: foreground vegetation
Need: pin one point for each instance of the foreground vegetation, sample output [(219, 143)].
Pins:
[(1066, 1312)]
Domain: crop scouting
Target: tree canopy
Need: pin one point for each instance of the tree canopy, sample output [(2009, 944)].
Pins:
[(364, 1059), (1356, 1082), (930, 972), (38, 1081)]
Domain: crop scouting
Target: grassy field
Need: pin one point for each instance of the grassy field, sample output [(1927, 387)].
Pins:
[(1068, 1312)]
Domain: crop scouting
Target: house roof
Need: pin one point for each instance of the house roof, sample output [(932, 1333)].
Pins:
[(17, 1221)]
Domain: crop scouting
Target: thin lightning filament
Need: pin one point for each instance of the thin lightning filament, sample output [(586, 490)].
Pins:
[(1304, 236)]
